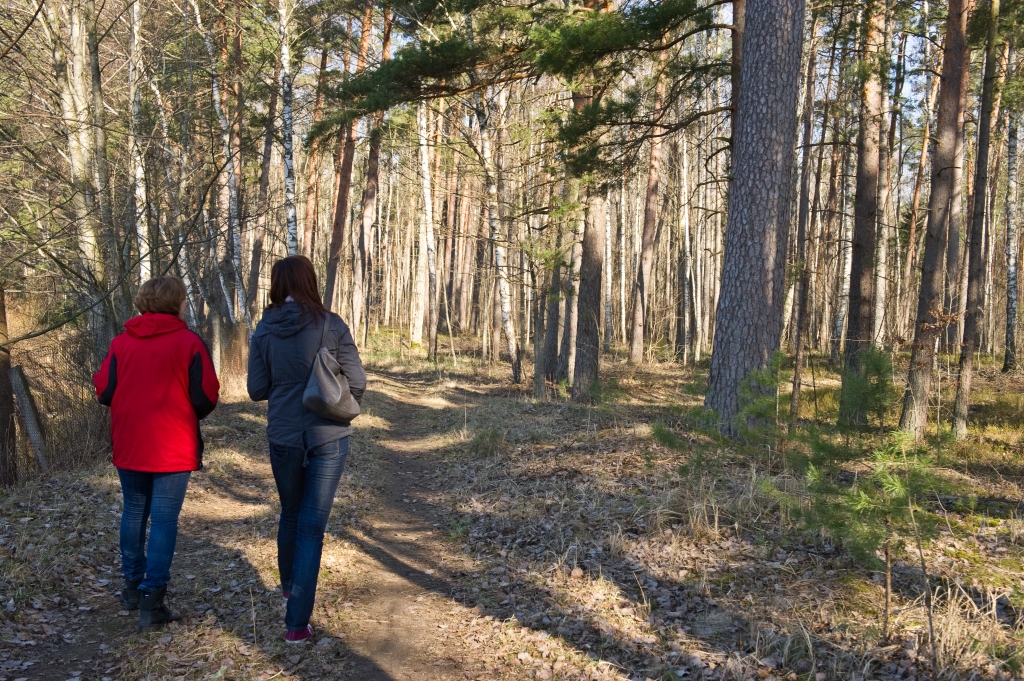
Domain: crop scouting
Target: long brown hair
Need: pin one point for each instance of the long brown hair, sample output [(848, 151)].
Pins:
[(294, 276)]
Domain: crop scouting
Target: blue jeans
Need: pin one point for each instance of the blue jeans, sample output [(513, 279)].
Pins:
[(306, 482), (156, 499)]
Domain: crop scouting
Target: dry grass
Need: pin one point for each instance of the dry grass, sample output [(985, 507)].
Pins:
[(621, 540)]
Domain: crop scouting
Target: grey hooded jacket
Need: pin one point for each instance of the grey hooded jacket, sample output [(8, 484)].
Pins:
[(281, 354)]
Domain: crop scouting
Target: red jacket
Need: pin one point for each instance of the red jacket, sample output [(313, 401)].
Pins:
[(158, 381)]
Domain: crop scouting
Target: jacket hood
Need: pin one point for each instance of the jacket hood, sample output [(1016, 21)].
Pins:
[(153, 324), (286, 320)]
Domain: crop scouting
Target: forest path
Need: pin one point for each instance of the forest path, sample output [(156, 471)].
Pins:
[(384, 610)]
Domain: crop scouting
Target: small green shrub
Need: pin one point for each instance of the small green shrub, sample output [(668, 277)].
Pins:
[(872, 390), (488, 443)]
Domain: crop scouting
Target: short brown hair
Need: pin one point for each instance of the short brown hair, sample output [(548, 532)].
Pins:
[(295, 277), (161, 294)]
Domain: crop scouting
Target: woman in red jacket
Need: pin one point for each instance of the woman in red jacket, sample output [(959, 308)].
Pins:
[(158, 381)]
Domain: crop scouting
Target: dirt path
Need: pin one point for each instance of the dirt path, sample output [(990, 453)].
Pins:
[(384, 607)]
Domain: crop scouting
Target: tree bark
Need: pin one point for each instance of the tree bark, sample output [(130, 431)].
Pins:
[(607, 273), (284, 11), (588, 347), (859, 329), (136, 159), (550, 351), (753, 271), (801, 315), (348, 152), (8, 439), (915, 202), (256, 262), (643, 273), (422, 113), (232, 187), (313, 162), (976, 261), (1012, 246), (567, 354), (363, 272), (494, 221), (684, 292), (929, 322)]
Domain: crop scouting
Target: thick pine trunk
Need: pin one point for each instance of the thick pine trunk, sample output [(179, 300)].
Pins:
[(860, 323), (928, 324), (976, 261), (753, 272)]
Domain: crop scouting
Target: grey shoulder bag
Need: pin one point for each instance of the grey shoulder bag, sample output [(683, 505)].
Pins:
[(327, 394)]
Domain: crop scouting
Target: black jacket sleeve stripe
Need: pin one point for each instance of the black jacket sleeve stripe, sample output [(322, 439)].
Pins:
[(200, 402), (108, 393)]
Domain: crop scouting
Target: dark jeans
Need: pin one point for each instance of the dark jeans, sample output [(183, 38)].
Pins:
[(306, 483), (153, 498)]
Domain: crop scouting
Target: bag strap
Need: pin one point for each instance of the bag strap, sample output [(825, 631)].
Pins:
[(323, 337)]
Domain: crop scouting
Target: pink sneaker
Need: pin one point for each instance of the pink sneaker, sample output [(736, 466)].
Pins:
[(286, 595), (299, 636)]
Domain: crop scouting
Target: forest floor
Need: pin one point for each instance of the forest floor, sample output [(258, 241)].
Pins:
[(480, 534)]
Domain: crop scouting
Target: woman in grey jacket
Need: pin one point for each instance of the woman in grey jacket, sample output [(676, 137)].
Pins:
[(307, 452)]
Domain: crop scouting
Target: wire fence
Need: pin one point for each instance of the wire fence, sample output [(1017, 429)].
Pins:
[(75, 428)]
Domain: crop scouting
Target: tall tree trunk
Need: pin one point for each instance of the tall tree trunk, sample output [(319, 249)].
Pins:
[(284, 11), (344, 181), (915, 202), (422, 114), (801, 316), (684, 291), (8, 439), (363, 271), (643, 273), (956, 276), (136, 162), (739, 12), (976, 262), (859, 327), (607, 272), (567, 354), (846, 258), (104, 187), (234, 224), (753, 271), (588, 347), (256, 262), (313, 161), (929, 322), (554, 294), (493, 219), (1012, 247), (881, 288)]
